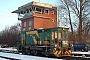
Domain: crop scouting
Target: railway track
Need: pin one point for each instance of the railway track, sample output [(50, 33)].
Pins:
[(61, 58), (72, 57), (8, 58), (75, 58), (26, 57), (78, 56)]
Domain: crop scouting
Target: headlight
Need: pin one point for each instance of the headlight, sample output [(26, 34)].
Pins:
[(15, 49), (71, 45), (55, 45)]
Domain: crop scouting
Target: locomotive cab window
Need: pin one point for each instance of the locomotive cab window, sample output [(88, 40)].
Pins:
[(64, 34), (54, 37), (23, 39), (59, 35), (55, 34)]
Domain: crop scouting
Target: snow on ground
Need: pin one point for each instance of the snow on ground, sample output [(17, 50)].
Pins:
[(3, 59), (25, 57), (78, 52), (8, 49), (83, 54)]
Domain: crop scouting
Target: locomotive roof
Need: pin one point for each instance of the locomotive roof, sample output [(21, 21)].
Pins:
[(48, 28)]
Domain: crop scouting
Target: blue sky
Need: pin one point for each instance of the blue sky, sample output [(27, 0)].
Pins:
[(7, 6)]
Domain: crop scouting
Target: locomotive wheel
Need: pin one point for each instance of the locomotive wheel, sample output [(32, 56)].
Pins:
[(57, 52), (45, 53), (27, 51), (31, 51), (35, 52)]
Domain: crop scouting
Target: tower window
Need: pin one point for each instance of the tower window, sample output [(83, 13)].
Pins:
[(52, 20), (24, 12), (42, 11), (38, 9), (27, 10), (33, 8), (30, 23), (21, 12), (24, 24), (47, 11), (52, 12), (30, 9)]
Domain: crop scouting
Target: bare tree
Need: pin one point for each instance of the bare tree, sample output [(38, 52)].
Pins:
[(11, 34), (78, 14), (64, 8)]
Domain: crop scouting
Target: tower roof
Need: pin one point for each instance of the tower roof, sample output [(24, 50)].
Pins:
[(33, 3)]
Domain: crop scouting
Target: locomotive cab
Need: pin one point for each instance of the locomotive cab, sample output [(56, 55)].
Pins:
[(60, 40)]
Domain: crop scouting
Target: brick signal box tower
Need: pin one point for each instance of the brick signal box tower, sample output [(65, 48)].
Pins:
[(36, 15)]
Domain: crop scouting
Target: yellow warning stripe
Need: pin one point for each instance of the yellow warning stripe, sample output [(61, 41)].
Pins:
[(57, 52)]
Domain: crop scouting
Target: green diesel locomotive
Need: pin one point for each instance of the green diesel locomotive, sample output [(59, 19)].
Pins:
[(50, 41)]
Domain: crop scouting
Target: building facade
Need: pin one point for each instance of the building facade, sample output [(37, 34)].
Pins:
[(35, 15)]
